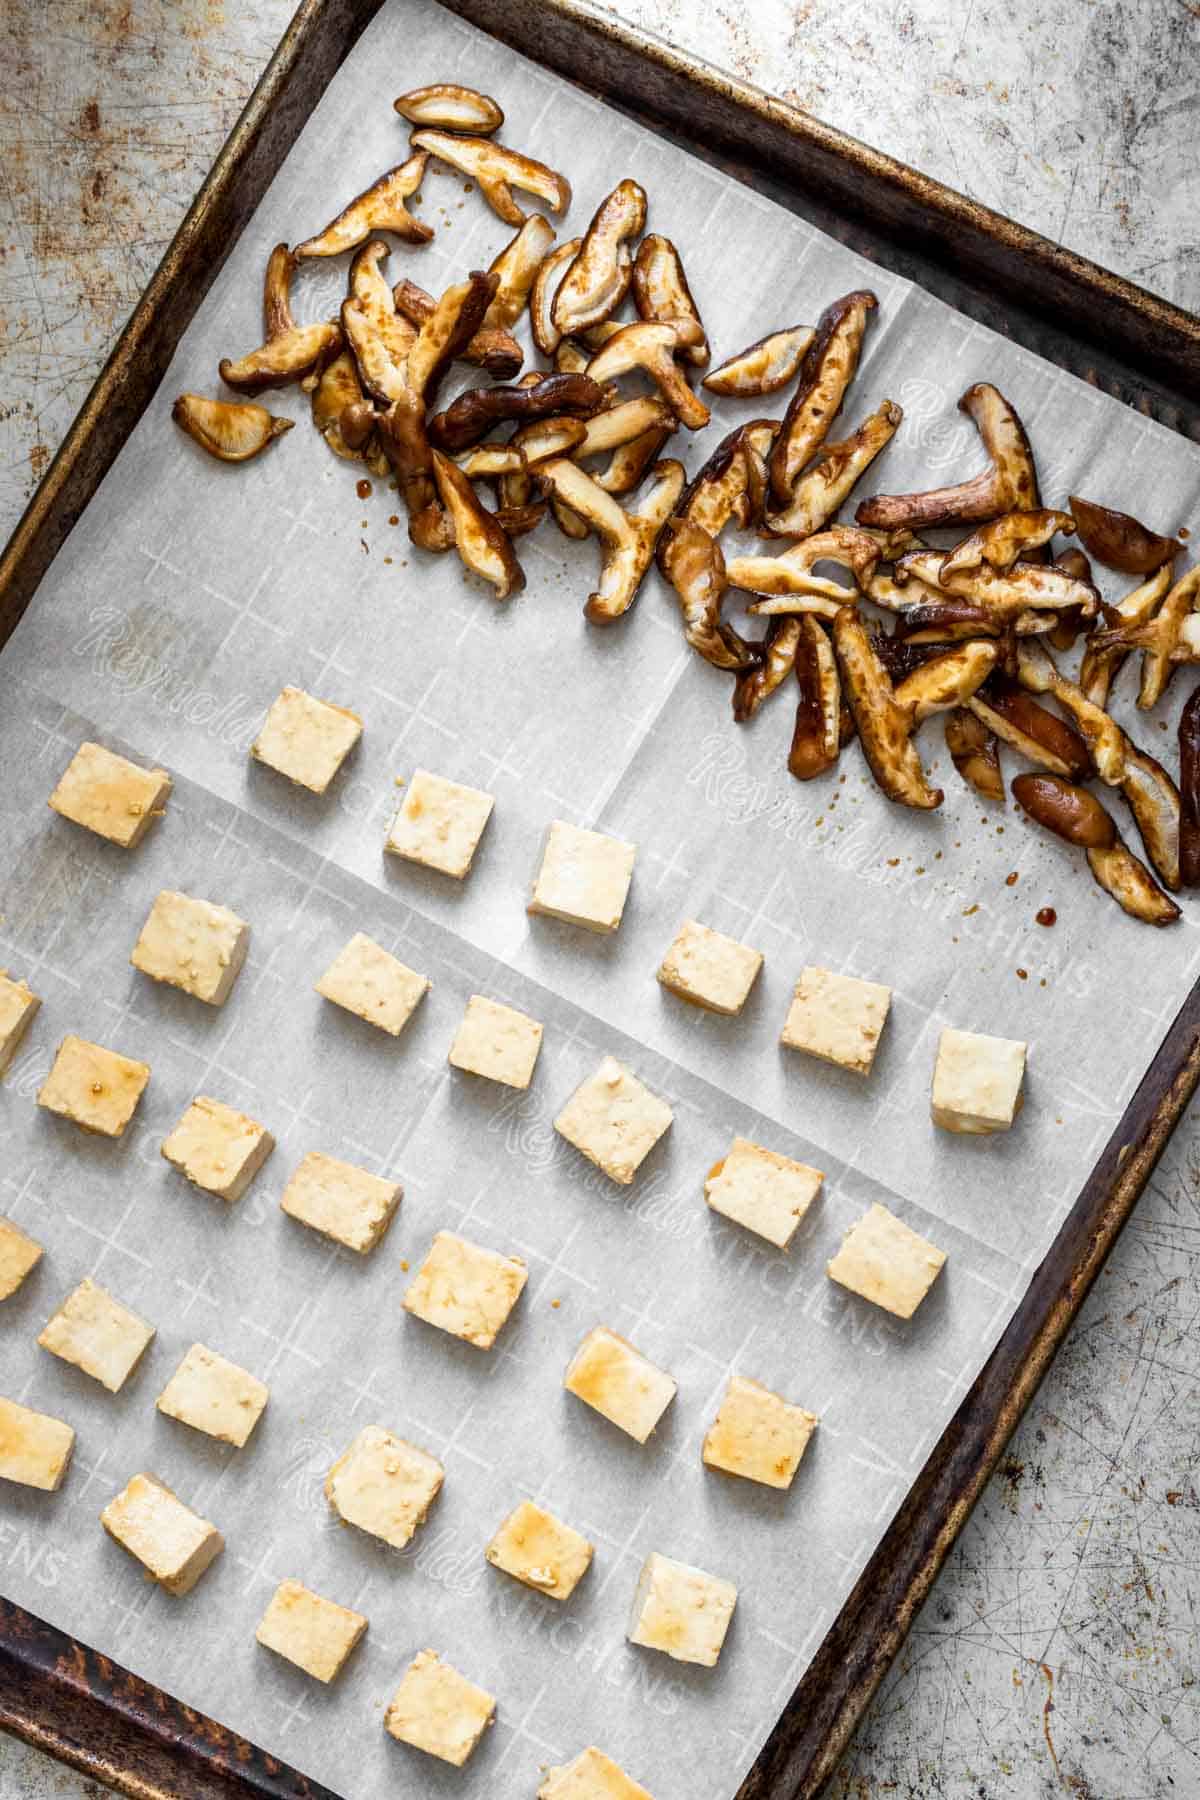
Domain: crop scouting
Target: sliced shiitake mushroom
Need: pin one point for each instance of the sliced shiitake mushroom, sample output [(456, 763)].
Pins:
[(496, 351), (473, 414), (1076, 816), (948, 680), (1006, 539), (975, 752), (450, 327), (661, 291), (1008, 484), (546, 334), (651, 347), (481, 543), (825, 374), (448, 107), (776, 660), (1002, 593), (789, 580), (1038, 674), (497, 170), (817, 733), (379, 208), (762, 367), (884, 726), (1039, 735), (1158, 639), (516, 268), (1120, 541), (291, 352), (231, 430), (819, 493), (343, 416), (602, 269), (690, 559), (379, 336), (628, 537)]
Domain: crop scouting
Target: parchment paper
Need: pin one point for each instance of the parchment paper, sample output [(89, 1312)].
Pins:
[(187, 596)]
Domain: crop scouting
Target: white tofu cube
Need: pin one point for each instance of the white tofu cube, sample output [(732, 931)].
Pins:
[(18, 1004), (767, 1193), (218, 1148), (192, 944), (97, 1334), (590, 1776), (614, 1120), (617, 1381), (538, 1549), (214, 1396), (367, 980), (35, 1448), (838, 1018), (306, 739), (758, 1434), (497, 1042), (347, 1204), (19, 1255), (977, 1082), (466, 1290), (584, 877), (439, 823), (886, 1262), (111, 796), (709, 969), (97, 1089), (384, 1485), (315, 1634), (437, 1710), (681, 1611), (173, 1544)]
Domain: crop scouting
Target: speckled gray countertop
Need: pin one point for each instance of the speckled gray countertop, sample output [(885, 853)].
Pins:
[(1059, 1653)]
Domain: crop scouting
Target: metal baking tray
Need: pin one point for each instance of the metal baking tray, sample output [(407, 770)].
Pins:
[(58, 1693)]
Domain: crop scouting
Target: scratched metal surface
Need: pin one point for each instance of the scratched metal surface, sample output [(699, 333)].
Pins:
[(1059, 1653)]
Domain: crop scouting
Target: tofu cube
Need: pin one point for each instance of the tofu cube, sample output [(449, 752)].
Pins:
[(977, 1082), (97, 1334), (709, 969), (347, 1204), (34, 1447), (466, 1290), (497, 1042), (757, 1434), (439, 823), (306, 739), (437, 1710), (214, 1396), (584, 877), (315, 1634), (365, 979), (541, 1551), (614, 1379), (681, 1611), (97, 1089), (886, 1262), (384, 1485), (590, 1776), (838, 1018), (18, 1256), (614, 1120), (219, 1149), (767, 1193), (174, 1544), (18, 1003), (111, 796), (192, 944)]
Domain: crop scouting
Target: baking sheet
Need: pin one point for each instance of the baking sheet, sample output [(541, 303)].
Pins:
[(185, 598)]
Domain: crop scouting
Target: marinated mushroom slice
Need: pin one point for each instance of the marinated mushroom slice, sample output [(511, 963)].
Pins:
[(402, 435), (690, 559), (448, 107), (515, 521), (651, 347), (602, 269), (947, 681), (1076, 816), (487, 462), (884, 726), (628, 537), (231, 430), (445, 334), (496, 351), (1189, 792), (1007, 539), (474, 413), (826, 372), (762, 367), (1002, 593), (1104, 738), (730, 484), (1008, 484), (975, 752), (819, 493), (777, 659), (569, 522), (1154, 801), (817, 733), (516, 268), (380, 208), (1158, 639), (1120, 541), (340, 413), (379, 337), (291, 352), (789, 580), (1039, 735), (627, 466), (546, 334), (1071, 622), (571, 358), (481, 543), (624, 423), (497, 170), (661, 291)]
